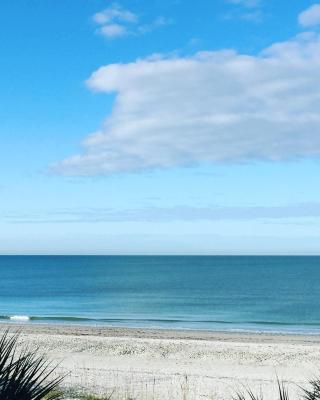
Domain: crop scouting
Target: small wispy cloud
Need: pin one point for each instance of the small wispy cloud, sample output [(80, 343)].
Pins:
[(156, 23), (247, 10), (185, 213), (246, 3), (310, 17), (252, 15), (114, 13), (113, 30), (116, 21)]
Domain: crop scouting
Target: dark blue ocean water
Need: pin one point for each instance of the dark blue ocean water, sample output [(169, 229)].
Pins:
[(218, 293)]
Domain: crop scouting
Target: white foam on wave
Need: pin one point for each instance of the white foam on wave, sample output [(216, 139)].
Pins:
[(19, 318)]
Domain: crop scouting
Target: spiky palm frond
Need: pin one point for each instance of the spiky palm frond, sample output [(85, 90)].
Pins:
[(314, 392), (283, 391), (250, 395), (25, 375)]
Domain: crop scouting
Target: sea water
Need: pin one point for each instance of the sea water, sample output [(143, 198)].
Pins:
[(278, 294)]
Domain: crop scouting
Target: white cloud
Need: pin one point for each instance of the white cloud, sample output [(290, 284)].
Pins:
[(310, 17), (213, 107), (113, 30), (114, 13), (115, 21)]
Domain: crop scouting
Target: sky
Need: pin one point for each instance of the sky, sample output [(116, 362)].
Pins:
[(160, 127)]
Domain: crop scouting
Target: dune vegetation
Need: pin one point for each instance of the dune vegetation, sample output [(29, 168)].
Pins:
[(25, 375)]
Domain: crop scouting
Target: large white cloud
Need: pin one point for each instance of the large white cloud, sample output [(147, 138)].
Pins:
[(212, 107)]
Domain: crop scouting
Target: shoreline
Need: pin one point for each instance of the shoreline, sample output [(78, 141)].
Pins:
[(251, 328), (160, 333)]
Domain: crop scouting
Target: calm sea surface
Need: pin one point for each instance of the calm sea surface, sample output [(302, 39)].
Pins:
[(218, 293)]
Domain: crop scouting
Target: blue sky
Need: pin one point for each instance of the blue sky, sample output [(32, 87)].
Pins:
[(159, 127)]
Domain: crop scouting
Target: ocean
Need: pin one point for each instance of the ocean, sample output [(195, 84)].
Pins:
[(261, 294)]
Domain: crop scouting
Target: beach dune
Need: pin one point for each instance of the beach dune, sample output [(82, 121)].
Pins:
[(150, 363)]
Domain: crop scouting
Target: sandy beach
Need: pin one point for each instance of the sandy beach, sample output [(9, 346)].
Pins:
[(149, 363)]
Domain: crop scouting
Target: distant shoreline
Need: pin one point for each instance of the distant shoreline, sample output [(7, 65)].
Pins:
[(258, 328), (159, 333)]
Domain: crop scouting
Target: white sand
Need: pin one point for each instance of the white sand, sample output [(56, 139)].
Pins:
[(152, 364)]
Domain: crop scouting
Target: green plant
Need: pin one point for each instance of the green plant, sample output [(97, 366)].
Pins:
[(283, 391), (249, 394), (86, 396), (314, 392), (25, 375)]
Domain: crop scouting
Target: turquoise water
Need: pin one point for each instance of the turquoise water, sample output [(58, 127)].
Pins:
[(216, 293)]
